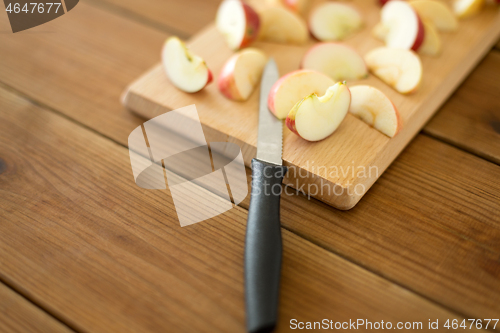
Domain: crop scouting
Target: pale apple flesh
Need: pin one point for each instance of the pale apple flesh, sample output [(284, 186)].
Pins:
[(405, 29), (399, 68), (332, 21), (467, 8), (241, 73), (432, 42), (375, 108), (338, 61), (380, 31), (315, 118), (280, 25), (291, 88), (185, 70), (296, 6), (436, 12), (238, 23)]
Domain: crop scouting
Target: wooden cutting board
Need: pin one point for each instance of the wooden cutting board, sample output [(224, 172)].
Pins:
[(340, 169)]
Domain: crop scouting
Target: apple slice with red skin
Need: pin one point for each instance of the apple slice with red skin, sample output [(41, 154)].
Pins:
[(399, 68), (432, 41), (241, 73), (375, 108), (292, 87), (338, 61), (185, 70), (380, 31), (315, 118), (435, 16), (333, 21), (405, 29), (296, 6), (238, 23)]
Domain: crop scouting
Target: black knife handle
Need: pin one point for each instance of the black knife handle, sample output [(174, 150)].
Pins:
[(263, 247)]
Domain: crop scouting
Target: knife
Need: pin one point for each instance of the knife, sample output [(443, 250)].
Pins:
[(263, 234)]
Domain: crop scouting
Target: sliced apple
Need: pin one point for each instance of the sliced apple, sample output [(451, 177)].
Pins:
[(315, 118), (292, 87), (399, 68), (467, 8), (241, 73), (375, 108), (185, 70), (331, 21), (296, 6), (432, 41), (405, 29), (280, 25), (338, 61), (238, 23), (437, 12)]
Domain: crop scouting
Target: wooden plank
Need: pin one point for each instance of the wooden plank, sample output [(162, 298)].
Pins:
[(95, 104), (449, 125), (86, 81), (79, 64), (437, 235), (354, 143), (181, 17), (19, 315), (79, 237), (471, 118)]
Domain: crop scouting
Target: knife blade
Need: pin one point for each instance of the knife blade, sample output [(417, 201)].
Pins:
[(263, 234), (270, 135)]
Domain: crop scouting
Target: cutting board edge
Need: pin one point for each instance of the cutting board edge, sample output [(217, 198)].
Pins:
[(148, 109)]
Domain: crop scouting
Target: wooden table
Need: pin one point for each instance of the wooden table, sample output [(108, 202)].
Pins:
[(82, 248)]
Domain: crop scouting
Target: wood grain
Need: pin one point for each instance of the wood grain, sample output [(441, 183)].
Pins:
[(79, 65), (354, 144), (431, 223), (19, 315), (81, 239), (471, 118), (449, 125)]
